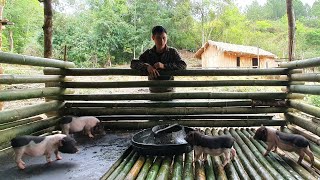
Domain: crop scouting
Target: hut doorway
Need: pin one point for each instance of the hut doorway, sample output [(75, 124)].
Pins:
[(255, 62)]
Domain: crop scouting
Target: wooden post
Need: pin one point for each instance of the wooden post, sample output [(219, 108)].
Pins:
[(47, 28), (1, 71), (291, 30)]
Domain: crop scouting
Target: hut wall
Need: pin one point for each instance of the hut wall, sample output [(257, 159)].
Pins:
[(213, 57)]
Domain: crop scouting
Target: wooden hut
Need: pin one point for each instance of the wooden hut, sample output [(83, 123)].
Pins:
[(220, 54)]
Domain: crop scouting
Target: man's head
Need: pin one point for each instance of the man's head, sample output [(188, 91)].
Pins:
[(159, 36)]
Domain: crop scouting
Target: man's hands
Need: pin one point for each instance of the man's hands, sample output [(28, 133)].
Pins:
[(153, 70), (158, 65)]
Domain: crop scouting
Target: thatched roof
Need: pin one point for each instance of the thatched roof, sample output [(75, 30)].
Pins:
[(235, 48)]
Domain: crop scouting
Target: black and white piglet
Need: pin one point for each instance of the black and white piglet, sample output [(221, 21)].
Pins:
[(38, 146), (88, 124), (212, 145), (285, 141)]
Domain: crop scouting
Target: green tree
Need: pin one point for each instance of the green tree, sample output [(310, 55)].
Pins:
[(27, 16)]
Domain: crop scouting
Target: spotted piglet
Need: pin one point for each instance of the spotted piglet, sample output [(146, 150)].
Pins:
[(90, 124), (212, 145), (38, 146), (285, 141)]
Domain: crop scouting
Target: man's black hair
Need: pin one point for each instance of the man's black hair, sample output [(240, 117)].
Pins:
[(158, 30)]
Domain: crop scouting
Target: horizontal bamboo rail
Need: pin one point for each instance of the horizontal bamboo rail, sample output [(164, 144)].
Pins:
[(130, 84), (19, 122), (169, 96), (161, 104), (22, 79), (306, 108), (173, 111), (313, 62), (28, 111), (302, 122), (170, 117), (10, 95), (189, 72), (134, 125), (8, 134), (305, 89), (10, 58), (310, 77)]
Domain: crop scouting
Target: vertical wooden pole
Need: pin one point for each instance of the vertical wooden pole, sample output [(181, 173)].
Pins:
[(47, 28), (1, 70), (291, 30)]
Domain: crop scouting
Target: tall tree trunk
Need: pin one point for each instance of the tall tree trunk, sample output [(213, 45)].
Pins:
[(1, 71), (291, 30), (11, 41), (1, 11), (47, 28)]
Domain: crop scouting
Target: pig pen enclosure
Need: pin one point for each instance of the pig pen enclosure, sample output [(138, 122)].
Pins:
[(62, 90)]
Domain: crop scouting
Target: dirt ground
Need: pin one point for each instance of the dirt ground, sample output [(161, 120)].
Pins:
[(95, 157)]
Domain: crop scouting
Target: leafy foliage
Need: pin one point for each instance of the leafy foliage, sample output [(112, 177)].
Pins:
[(96, 32)]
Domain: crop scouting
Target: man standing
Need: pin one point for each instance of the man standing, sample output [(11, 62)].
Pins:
[(160, 57)]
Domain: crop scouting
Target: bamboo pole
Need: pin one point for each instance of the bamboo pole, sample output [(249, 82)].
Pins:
[(10, 58), (230, 169), (251, 171), (310, 77), (161, 104), (164, 171), (23, 79), (134, 171), (186, 117), (199, 171), (208, 166), (164, 83), (152, 174), (188, 167), (11, 115), (10, 95), (216, 162), (175, 111), (117, 163), (177, 167), (170, 96), (268, 166), (145, 169), (127, 167), (305, 89), (134, 125), (8, 134), (293, 164), (241, 172), (19, 122), (115, 173), (306, 108), (302, 122), (282, 167), (189, 72), (307, 63)]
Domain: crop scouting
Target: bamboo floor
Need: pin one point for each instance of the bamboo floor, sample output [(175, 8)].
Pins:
[(248, 164)]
